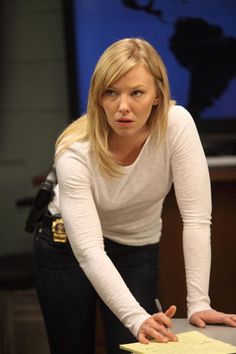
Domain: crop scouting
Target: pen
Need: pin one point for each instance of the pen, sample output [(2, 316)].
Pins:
[(158, 305)]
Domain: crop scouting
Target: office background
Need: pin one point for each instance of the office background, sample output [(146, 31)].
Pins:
[(35, 107)]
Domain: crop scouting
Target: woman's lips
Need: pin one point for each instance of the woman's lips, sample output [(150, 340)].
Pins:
[(124, 121)]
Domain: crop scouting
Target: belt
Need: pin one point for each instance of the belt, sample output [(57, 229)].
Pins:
[(56, 225)]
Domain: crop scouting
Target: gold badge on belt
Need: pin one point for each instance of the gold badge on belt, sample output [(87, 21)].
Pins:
[(58, 231)]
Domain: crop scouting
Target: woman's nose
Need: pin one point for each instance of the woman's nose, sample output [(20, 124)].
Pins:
[(123, 104)]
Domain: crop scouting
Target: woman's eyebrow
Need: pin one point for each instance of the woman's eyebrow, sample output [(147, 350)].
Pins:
[(133, 87)]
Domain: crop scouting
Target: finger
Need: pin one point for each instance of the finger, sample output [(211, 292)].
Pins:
[(230, 321), (161, 317), (167, 333), (162, 334), (161, 329), (171, 311), (171, 336), (148, 331), (142, 338), (156, 334), (197, 321)]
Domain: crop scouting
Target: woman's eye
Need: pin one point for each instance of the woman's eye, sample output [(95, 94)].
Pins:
[(137, 93), (110, 92)]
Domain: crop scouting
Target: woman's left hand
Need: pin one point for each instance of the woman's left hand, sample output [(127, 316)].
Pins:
[(202, 318)]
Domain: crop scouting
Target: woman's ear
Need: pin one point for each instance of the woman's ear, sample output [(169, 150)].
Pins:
[(156, 101)]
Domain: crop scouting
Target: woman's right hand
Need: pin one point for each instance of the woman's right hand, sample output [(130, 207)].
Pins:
[(156, 327)]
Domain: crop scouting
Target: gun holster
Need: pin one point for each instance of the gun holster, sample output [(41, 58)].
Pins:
[(42, 199)]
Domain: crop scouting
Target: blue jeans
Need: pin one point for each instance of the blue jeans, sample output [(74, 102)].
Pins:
[(68, 300)]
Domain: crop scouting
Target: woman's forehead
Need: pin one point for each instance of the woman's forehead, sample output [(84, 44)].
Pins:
[(136, 76)]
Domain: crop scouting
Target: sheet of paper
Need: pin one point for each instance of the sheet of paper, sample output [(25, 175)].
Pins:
[(189, 342)]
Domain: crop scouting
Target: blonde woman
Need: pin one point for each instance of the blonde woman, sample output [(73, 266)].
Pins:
[(115, 166)]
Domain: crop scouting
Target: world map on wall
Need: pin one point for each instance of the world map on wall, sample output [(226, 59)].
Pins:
[(204, 50)]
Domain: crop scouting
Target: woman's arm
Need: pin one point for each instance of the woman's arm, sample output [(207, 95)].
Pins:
[(192, 188)]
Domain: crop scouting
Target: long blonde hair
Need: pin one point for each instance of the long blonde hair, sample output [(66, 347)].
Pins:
[(115, 62)]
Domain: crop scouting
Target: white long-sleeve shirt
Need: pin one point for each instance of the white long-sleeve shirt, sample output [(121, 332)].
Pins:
[(128, 210)]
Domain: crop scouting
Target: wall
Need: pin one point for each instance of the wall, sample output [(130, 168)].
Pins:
[(33, 106)]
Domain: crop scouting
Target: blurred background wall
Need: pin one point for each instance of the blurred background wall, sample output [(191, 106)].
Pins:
[(33, 106)]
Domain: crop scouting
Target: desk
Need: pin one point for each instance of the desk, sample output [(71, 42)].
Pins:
[(222, 333)]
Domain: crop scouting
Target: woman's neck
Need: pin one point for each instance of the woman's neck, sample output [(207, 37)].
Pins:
[(125, 150)]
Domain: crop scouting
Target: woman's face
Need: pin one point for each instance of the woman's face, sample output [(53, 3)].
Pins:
[(129, 101)]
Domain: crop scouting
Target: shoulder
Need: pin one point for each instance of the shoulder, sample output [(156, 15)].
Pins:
[(76, 157), (180, 120), (182, 134), (81, 148), (78, 149), (178, 115)]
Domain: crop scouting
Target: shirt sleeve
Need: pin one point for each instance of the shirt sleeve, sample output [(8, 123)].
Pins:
[(193, 194), (84, 231)]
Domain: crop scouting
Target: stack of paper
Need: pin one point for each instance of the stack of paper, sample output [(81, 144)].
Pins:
[(189, 342)]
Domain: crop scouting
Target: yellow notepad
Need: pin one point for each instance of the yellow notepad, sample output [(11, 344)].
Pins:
[(189, 342)]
